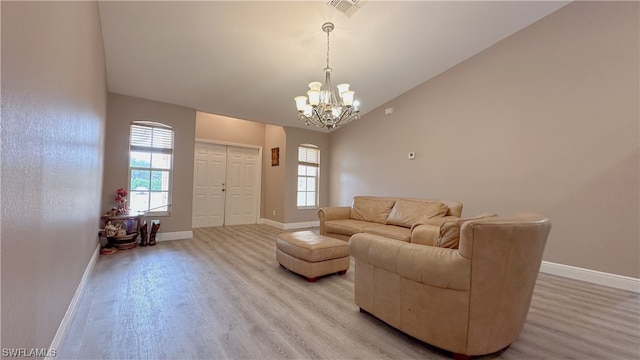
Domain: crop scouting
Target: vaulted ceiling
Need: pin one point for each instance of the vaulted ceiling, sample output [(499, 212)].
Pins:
[(249, 59)]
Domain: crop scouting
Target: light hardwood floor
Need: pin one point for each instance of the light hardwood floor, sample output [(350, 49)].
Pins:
[(222, 295)]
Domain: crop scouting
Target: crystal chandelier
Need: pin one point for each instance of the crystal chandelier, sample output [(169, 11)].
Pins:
[(323, 109)]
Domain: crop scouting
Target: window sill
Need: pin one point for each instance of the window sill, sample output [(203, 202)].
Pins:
[(155, 214), (308, 208)]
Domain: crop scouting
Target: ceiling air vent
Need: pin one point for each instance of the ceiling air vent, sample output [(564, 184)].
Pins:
[(347, 7)]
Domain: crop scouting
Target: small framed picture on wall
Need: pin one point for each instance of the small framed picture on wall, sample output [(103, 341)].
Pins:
[(275, 156)]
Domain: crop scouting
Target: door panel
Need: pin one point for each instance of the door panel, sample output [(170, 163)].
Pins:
[(208, 185), (242, 183)]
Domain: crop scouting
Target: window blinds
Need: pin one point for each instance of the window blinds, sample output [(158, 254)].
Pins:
[(308, 155), (151, 139)]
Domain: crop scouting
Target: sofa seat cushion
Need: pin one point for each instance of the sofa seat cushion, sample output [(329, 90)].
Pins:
[(407, 212), (345, 226), (371, 209), (389, 231)]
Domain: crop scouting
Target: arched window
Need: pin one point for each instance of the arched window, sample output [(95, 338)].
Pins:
[(150, 167), (308, 176)]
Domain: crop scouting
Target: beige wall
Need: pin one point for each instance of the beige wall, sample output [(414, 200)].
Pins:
[(229, 130), (296, 137), (53, 115), (546, 120), (121, 111), (273, 182)]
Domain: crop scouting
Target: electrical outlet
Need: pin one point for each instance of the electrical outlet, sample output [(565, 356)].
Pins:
[(274, 213)]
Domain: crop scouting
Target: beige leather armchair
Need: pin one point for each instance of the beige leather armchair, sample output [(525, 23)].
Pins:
[(472, 300)]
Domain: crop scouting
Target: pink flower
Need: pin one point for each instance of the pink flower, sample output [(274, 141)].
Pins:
[(121, 194)]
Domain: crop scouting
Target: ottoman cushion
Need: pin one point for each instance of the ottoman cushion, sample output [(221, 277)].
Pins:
[(309, 246), (312, 255)]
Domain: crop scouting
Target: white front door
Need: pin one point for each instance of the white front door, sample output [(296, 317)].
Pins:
[(225, 185), (242, 186), (209, 175)]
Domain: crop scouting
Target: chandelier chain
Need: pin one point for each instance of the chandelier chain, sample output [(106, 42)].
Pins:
[(328, 48)]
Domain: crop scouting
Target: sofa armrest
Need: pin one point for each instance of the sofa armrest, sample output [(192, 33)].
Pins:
[(332, 213), (427, 232), (433, 266), (425, 235), (435, 221)]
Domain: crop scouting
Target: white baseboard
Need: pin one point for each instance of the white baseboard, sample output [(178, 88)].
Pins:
[(596, 277), (290, 226), (176, 235), (271, 223), (73, 306)]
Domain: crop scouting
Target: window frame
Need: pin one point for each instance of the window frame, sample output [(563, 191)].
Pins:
[(316, 165), (152, 150)]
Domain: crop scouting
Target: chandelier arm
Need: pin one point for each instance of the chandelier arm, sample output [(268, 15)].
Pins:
[(317, 118), (343, 115), (347, 116)]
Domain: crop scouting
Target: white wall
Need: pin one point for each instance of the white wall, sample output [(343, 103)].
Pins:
[(53, 117), (546, 120)]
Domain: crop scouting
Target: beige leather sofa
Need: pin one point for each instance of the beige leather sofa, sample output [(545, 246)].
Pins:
[(472, 300), (404, 219)]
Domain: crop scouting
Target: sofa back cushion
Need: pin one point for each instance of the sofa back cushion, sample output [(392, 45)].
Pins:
[(406, 212), (371, 209), (455, 208), (450, 230)]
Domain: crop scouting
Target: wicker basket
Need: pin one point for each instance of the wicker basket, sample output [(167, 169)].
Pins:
[(125, 242)]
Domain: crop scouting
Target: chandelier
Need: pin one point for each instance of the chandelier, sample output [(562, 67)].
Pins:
[(324, 109)]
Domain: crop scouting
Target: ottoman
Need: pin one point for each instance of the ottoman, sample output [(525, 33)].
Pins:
[(312, 255)]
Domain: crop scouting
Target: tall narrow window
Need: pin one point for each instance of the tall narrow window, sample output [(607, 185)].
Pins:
[(308, 175), (150, 167)]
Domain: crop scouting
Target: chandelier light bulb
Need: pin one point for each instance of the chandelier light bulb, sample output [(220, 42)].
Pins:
[(347, 97), (342, 88), (315, 85), (314, 97), (307, 110), (301, 102)]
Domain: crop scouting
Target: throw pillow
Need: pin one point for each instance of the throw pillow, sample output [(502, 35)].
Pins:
[(407, 212), (371, 209)]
